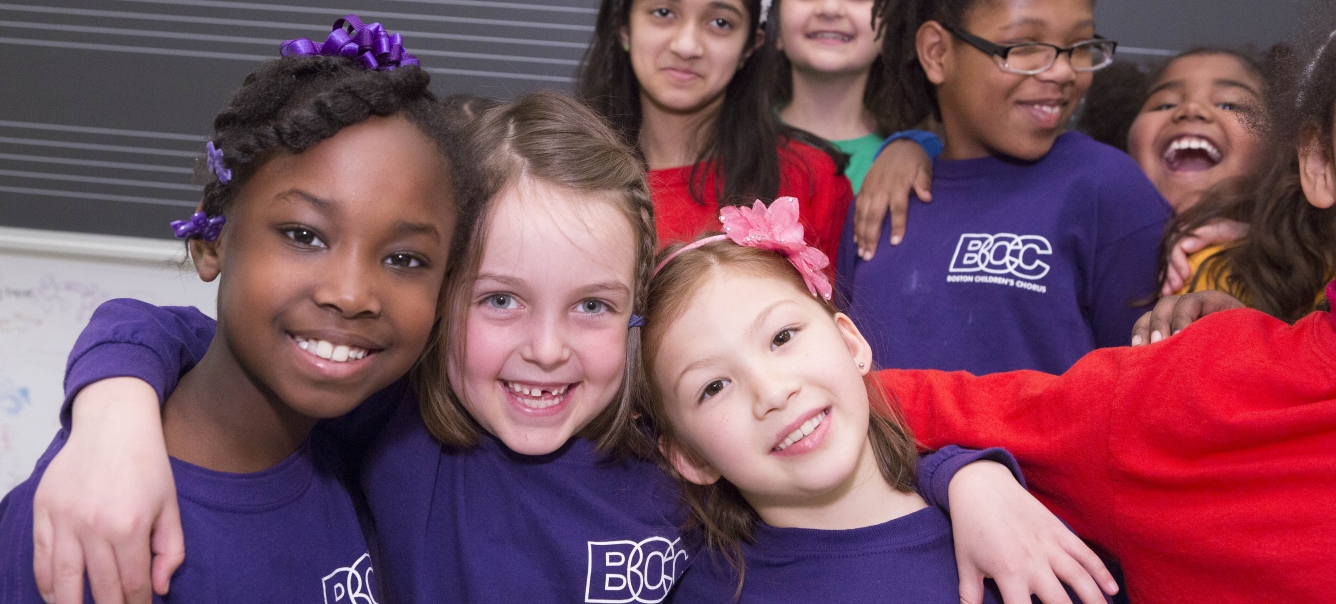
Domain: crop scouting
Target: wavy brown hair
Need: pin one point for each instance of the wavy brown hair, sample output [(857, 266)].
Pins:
[(548, 137), (719, 511), (1289, 254)]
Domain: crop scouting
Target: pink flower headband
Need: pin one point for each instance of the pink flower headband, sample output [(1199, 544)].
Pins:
[(776, 229)]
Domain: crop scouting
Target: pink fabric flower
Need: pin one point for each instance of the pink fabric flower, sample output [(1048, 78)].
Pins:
[(777, 229)]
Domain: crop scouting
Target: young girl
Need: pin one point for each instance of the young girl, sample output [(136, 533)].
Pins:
[(1285, 251), (679, 82), (1047, 238), (786, 451), (330, 244), (504, 474)]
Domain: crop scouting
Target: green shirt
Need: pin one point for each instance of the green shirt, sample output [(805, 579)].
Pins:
[(861, 151)]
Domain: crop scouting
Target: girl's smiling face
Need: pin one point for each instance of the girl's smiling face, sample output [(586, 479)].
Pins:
[(545, 341), (685, 52), (331, 261), (990, 111), (828, 36), (1193, 131), (764, 388)]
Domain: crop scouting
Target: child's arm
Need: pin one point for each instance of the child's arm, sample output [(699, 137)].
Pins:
[(903, 166), (1173, 313), (1003, 532)]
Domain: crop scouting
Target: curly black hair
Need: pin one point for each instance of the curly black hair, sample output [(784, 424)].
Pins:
[(292, 103)]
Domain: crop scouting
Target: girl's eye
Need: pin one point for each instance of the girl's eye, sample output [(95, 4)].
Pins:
[(405, 260), (304, 236), (1162, 107), (593, 307), (721, 23), (782, 338), (661, 13), (1229, 106), (713, 388), (501, 302)]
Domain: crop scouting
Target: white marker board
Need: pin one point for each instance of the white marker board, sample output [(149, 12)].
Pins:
[(50, 283)]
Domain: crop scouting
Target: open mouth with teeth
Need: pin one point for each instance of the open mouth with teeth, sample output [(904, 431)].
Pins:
[(537, 397), (801, 432), (830, 36), (339, 353), (1191, 154)]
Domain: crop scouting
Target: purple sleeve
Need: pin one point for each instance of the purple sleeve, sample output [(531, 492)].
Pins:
[(130, 338), (1132, 218), (936, 470)]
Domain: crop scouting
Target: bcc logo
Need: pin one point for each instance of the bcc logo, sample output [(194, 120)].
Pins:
[(1002, 254), (625, 571)]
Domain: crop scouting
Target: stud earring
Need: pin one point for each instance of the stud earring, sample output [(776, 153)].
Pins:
[(861, 364), (626, 46)]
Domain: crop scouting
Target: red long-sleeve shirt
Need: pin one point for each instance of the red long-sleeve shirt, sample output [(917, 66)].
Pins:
[(805, 172), (1206, 463)]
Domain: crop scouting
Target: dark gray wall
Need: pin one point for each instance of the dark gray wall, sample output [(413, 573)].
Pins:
[(105, 104)]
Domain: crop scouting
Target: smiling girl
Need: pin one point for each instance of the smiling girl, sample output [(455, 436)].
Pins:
[(330, 244), (1047, 238), (681, 81), (793, 463)]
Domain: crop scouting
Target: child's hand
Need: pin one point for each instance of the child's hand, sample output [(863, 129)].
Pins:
[(105, 498), (1173, 313), (902, 166), (1003, 532), (1213, 233)]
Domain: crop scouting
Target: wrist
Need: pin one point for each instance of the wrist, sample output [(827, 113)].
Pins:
[(124, 407)]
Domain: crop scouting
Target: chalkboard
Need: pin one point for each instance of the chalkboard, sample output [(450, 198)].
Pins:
[(49, 285)]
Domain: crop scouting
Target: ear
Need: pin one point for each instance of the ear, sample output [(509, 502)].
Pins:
[(933, 43), (859, 349), (688, 464), (206, 255), (756, 44), (624, 36), (1317, 171)]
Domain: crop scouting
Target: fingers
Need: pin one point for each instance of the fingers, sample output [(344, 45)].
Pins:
[(1199, 304), (1161, 318), (1179, 270), (132, 564), (42, 535), (103, 573), (899, 215), (1093, 566), (169, 547), (1051, 591), (923, 184), (1071, 572), (67, 569), (1141, 330), (971, 585), (869, 211)]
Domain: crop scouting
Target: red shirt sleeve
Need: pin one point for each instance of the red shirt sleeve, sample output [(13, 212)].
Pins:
[(823, 195), (1206, 463)]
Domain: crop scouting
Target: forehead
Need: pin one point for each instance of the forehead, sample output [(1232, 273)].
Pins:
[(1205, 69), (697, 5), (537, 227), (1030, 15), (382, 166), (724, 305)]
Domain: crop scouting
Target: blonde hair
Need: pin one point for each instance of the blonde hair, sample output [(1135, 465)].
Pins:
[(718, 510), (547, 137)]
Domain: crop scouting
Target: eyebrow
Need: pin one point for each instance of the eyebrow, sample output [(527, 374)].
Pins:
[(1031, 21), (326, 206), (615, 287), (760, 318), (677, 384), (416, 228), (1220, 82), (726, 6)]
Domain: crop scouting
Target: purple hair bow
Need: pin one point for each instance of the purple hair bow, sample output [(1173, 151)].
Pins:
[(371, 45), (199, 225)]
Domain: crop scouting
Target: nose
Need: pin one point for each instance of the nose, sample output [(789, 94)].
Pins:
[(547, 346), (773, 388), (346, 285), (1060, 72), (1192, 110), (686, 41), (830, 8)]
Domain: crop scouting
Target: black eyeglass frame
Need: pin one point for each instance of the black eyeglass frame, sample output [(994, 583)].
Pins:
[(997, 50)]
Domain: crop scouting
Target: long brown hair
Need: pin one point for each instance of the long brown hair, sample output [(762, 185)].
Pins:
[(549, 137), (1289, 254), (723, 517)]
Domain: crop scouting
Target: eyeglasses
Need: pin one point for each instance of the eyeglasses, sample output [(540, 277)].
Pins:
[(1036, 57)]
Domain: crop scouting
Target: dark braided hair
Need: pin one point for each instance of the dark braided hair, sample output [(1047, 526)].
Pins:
[(290, 104)]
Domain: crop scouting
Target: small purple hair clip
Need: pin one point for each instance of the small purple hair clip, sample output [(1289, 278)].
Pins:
[(216, 164), (199, 225), (637, 321), (371, 45)]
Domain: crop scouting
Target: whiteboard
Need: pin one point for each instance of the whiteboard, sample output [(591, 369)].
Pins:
[(50, 282)]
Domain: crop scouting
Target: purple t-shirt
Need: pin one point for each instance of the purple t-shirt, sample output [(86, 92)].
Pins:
[(286, 534), (480, 524), (1013, 265)]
